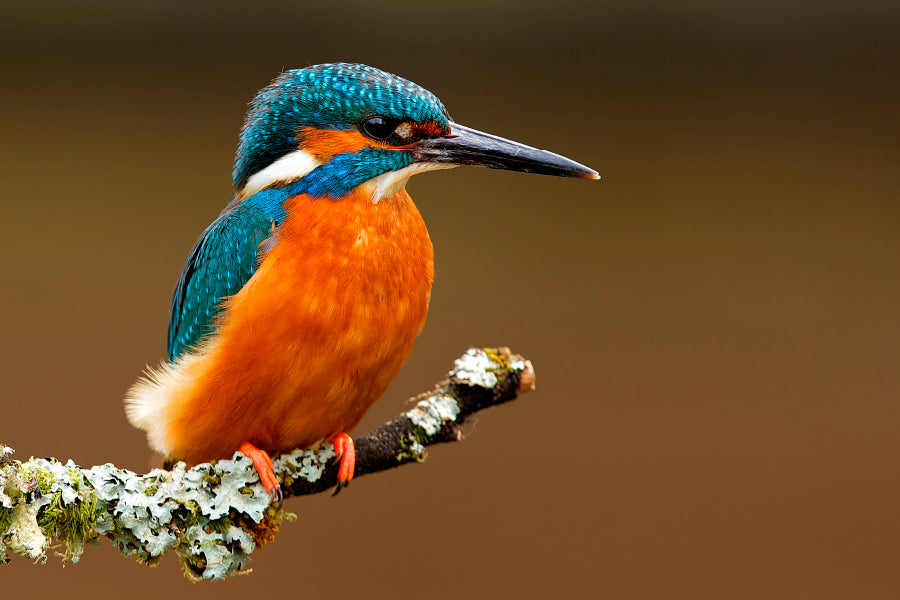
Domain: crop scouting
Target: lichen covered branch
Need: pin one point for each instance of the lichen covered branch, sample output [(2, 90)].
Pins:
[(214, 515)]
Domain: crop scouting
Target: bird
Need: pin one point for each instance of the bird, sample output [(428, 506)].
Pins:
[(300, 302)]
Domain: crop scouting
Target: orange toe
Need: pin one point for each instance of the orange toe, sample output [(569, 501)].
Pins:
[(265, 468), (346, 454)]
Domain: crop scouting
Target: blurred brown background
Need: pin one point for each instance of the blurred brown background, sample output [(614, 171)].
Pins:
[(714, 325)]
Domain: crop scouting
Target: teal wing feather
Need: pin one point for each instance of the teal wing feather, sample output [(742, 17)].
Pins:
[(222, 260)]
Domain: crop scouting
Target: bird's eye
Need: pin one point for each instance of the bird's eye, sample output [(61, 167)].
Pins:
[(379, 128)]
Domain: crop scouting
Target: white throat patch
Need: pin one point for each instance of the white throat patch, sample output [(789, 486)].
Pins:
[(388, 184), (287, 169)]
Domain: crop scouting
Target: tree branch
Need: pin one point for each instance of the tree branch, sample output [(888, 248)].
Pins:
[(214, 515)]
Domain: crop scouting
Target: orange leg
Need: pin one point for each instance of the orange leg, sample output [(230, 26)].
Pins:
[(346, 454), (264, 467)]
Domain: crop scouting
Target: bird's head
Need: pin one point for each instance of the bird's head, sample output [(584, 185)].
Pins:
[(327, 129)]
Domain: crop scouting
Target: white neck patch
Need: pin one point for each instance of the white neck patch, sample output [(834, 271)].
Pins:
[(388, 184), (287, 169)]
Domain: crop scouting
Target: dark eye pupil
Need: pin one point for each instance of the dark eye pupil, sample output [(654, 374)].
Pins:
[(379, 128)]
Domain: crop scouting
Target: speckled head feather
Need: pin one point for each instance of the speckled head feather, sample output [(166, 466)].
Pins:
[(328, 96)]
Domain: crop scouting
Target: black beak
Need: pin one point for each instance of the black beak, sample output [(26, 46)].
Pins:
[(467, 146)]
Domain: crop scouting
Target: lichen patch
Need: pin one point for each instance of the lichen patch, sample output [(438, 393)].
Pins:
[(430, 414)]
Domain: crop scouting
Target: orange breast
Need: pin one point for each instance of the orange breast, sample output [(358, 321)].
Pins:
[(316, 335)]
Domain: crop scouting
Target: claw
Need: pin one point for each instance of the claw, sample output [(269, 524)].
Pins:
[(346, 455), (265, 469), (276, 496)]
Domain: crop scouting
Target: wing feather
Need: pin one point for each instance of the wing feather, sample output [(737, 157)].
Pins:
[(222, 260)]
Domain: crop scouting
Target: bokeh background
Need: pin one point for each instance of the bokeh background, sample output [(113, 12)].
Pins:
[(714, 325)]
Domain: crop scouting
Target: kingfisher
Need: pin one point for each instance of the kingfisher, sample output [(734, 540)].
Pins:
[(299, 304)]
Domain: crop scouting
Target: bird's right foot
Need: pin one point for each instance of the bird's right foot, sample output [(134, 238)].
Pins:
[(265, 469)]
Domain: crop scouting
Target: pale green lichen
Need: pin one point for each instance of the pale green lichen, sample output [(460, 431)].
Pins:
[(476, 367), (213, 515), (19, 529), (219, 552), (25, 536), (142, 509), (305, 464), (430, 414)]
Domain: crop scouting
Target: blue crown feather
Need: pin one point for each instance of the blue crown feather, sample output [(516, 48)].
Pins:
[(329, 96)]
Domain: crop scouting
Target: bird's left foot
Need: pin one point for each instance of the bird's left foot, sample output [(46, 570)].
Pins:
[(346, 455), (266, 470)]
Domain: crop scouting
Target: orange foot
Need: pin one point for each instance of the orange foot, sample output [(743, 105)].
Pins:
[(346, 454), (264, 467)]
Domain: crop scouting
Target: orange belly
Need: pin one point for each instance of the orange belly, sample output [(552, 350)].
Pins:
[(316, 335)]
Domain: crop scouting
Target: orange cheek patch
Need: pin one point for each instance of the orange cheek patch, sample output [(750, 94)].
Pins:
[(326, 143)]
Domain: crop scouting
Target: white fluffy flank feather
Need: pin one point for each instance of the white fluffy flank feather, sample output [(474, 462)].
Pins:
[(147, 402)]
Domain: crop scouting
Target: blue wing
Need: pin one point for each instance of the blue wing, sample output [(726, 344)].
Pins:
[(218, 266)]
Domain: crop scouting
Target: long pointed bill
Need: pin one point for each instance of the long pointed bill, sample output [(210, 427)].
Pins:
[(467, 146)]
